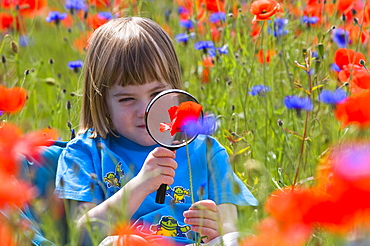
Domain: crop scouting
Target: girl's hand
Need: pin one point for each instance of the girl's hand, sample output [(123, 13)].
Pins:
[(159, 168), (204, 218)]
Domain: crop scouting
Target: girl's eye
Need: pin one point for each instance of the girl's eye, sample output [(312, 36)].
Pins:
[(125, 99), (156, 93)]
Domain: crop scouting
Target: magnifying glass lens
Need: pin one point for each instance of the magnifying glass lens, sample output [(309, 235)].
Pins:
[(173, 118)]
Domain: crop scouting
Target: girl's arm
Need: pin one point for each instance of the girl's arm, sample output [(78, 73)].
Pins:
[(158, 168), (211, 220)]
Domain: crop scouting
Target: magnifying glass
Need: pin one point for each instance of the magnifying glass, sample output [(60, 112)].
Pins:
[(172, 119)]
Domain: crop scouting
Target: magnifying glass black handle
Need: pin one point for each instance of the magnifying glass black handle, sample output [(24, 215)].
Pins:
[(161, 194)]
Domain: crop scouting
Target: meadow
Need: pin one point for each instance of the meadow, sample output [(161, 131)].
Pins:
[(287, 81)]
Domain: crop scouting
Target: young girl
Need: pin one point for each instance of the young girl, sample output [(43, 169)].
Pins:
[(114, 168)]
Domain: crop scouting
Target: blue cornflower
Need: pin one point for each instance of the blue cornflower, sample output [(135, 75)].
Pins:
[(310, 20), (182, 37), (279, 25), (105, 15), (215, 17), (75, 5), (298, 103), (55, 16), (24, 40), (1, 113), (224, 49), (75, 65), (207, 126), (203, 45), (335, 67), (188, 24), (332, 97), (181, 10), (340, 37), (259, 90), (212, 52)]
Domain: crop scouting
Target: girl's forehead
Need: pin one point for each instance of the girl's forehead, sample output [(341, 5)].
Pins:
[(151, 86)]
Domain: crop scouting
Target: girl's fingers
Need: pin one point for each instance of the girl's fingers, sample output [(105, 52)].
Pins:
[(161, 152), (205, 214), (206, 223), (204, 205)]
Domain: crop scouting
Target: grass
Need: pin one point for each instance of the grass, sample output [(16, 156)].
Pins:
[(265, 154)]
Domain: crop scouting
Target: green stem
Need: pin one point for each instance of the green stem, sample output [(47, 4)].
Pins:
[(190, 173)]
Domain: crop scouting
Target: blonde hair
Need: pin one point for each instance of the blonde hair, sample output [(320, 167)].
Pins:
[(124, 51)]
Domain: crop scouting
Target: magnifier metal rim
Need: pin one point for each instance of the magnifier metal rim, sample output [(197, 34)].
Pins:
[(163, 93)]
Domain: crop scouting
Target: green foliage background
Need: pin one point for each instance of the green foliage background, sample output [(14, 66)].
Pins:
[(264, 155)]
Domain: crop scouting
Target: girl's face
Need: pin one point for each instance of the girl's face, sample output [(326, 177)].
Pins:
[(127, 106)]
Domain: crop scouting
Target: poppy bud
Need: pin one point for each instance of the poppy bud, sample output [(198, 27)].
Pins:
[(51, 61), (280, 123), (69, 124), (3, 59), (343, 17), (50, 81), (27, 72), (14, 47), (320, 47), (73, 134), (355, 20), (362, 62), (69, 105)]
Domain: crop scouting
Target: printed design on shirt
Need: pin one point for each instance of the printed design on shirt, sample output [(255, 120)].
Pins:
[(168, 226), (177, 194), (113, 179)]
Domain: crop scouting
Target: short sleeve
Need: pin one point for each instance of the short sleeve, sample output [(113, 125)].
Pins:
[(76, 175), (224, 185)]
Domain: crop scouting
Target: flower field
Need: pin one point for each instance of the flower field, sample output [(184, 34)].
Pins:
[(287, 81)]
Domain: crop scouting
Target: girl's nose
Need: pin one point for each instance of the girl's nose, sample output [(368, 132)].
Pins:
[(141, 109)]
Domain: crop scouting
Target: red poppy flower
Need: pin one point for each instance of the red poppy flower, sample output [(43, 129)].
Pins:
[(12, 100), (26, 7), (13, 191), (360, 77), (290, 199), (347, 182), (180, 116), (6, 21), (264, 9), (94, 21), (348, 7), (81, 43), (354, 110), (213, 5), (6, 234), (207, 64), (13, 144), (265, 57), (347, 57), (270, 233), (356, 33), (100, 4)]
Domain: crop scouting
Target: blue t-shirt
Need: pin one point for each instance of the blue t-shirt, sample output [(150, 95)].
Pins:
[(93, 169)]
